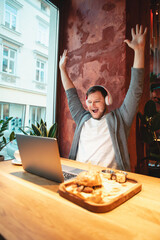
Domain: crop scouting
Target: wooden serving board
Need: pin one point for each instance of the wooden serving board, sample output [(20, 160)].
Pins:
[(127, 190)]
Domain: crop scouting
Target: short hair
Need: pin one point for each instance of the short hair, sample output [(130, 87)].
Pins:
[(97, 88)]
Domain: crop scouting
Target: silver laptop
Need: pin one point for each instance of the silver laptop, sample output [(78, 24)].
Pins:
[(40, 156)]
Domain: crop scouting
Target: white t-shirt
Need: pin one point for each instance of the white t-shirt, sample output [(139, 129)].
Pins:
[(95, 144)]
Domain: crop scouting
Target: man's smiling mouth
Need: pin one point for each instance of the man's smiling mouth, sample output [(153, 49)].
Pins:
[(95, 110)]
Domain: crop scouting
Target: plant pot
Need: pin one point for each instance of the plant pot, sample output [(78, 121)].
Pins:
[(1, 158)]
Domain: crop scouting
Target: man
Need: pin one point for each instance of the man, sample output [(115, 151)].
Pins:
[(101, 137)]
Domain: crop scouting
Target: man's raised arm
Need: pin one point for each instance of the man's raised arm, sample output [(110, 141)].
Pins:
[(138, 45), (66, 81)]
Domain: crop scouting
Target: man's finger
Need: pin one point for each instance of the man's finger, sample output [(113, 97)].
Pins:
[(137, 28), (132, 32), (145, 31), (141, 29)]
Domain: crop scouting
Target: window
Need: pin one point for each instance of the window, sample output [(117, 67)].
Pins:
[(43, 7), (43, 33), (28, 61), (36, 114), (10, 17), (4, 110), (17, 111), (9, 57), (40, 71)]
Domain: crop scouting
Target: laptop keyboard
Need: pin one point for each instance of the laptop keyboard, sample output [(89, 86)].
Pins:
[(68, 175)]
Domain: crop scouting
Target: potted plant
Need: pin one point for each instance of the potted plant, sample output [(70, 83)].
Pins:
[(40, 129), (3, 140)]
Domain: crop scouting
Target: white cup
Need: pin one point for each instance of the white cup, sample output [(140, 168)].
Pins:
[(17, 156)]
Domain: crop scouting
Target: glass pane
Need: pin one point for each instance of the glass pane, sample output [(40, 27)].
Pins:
[(12, 54), (33, 115), (38, 64), (42, 65), (11, 9), (11, 67), (43, 6), (17, 112), (13, 22), (37, 75), (5, 111), (5, 52), (38, 114), (5, 65), (7, 19), (43, 34), (42, 76)]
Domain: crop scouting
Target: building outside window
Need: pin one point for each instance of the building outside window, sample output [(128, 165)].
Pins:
[(40, 71), (10, 16), (36, 114), (28, 61), (43, 33), (9, 58)]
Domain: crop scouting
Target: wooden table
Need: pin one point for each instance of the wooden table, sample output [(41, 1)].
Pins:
[(31, 208)]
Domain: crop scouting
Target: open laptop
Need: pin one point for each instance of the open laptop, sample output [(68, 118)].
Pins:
[(40, 156)]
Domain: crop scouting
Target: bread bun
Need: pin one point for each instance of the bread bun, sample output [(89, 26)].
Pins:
[(89, 179)]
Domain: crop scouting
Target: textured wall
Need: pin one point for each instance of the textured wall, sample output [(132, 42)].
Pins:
[(94, 34), (137, 11)]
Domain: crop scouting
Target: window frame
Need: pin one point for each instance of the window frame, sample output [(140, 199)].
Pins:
[(42, 36), (11, 14), (41, 70), (52, 83), (9, 59)]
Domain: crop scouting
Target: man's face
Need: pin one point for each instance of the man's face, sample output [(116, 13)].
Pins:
[(96, 105)]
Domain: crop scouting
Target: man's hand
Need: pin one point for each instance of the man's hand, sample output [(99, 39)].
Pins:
[(66, 81), (138, 38), (63, 60), (138, 45)]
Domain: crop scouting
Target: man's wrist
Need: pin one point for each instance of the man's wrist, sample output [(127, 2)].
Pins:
[(63, 69), (139, 50)]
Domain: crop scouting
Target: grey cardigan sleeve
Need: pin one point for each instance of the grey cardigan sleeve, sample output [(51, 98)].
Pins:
[(130, 104), (75, 105)]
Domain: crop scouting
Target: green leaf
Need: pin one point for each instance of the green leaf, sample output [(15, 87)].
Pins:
[(41, 122), (4, 140), (23, 131), (43, 130), (12, 136), (52, 131), (9, 119), (36, 130)]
